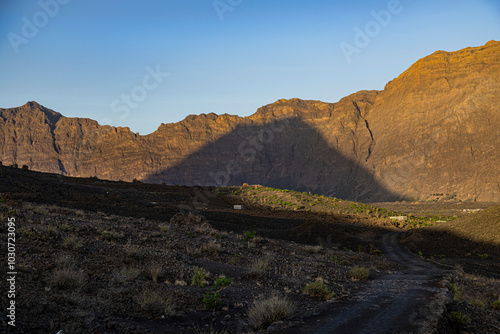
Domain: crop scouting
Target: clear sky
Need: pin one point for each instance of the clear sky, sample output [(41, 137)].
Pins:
[(140, 63)]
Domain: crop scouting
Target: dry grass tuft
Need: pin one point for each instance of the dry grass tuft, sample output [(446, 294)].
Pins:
[(153, 271), (67, 278), (72, 243), (263, 312), (211, 248), (318, 290), (359, 273), (258, 267), (313, 249), (154, 302), (127, 274), (132, 251)]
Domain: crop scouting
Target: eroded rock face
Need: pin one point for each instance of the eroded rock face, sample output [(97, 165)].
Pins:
[(434, 129)]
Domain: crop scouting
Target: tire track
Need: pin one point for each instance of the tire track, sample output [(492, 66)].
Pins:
[(410, 301)]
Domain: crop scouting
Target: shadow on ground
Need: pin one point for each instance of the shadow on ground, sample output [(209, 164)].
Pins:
[(160, 203)]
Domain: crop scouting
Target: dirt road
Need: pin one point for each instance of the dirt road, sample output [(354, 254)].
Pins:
[(409, 301)]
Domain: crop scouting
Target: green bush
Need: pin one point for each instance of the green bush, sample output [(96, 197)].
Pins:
[(221, 282), (248, 236), (212, 300), (496, 305)]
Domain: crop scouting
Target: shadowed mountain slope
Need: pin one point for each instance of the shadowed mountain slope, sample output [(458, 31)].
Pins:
[(434, 129)]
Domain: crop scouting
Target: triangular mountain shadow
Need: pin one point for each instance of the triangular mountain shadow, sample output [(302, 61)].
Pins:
[(287, 154)]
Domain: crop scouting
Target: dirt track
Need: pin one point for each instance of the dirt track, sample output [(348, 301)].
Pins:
[(409, 301)]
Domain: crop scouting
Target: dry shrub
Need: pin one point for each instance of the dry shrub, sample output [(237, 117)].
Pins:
[(263, 312), (203, 228), (200, 277), (72, 242), (190, 219), (196, 219), (68, 278), (318, 290), (258, 267), (211, 248), (127, 273), (165, 227), (313, 249), (178, 218), (132, 251), (153, 271), (64, 261), (156, 302), (359, 273)]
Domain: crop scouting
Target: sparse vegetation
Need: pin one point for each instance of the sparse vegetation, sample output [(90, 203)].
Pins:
[(132, 251), (200, 277), (156, 302), (63, 261), (263, 312), (359, 273), (128, 273), (459, 320), (496, 305), (248, 236), (455, 290), (258, 267), (67, 278), (72, 242), (165, 227), (313, 249), (154, 270), (110, 235), (318, 289), (212, 248), (159, 257), (212, 299)]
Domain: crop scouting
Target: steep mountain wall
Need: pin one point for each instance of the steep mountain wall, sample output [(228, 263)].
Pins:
[(434, 129)]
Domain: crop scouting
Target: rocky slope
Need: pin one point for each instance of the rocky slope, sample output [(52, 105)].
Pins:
[(432, 130)]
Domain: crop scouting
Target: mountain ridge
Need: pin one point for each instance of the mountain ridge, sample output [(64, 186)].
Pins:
[(433, 129)]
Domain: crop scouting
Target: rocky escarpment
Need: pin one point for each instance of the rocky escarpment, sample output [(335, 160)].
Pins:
[(432, 130)]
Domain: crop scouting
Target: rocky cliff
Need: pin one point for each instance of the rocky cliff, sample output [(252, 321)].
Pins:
[(433, 130)]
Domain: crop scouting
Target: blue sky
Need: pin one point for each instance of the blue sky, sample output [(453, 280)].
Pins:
[(95, 59)]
